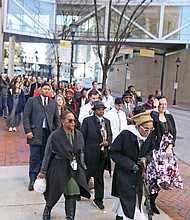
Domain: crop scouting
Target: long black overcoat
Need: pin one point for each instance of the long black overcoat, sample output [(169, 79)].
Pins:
[(92, 139), (126, 184), (56, 165)]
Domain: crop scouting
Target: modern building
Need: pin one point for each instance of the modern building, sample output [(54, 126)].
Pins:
[(162, 31)]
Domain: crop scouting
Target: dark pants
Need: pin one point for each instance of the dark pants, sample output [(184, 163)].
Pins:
[(36, 156), (3, 105), (99, 181)]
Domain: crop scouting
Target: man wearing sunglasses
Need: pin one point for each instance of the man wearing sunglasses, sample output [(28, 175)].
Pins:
[(149, 105)]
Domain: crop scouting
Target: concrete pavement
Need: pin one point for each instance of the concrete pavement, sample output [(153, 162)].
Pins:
[(19, 204)]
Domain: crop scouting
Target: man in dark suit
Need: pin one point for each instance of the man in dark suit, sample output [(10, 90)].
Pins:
[(35, 86), (136, 98), (128, 106), (83, 98), (41, 116), (97, 135)]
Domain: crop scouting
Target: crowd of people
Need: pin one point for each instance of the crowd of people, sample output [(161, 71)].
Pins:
[(76, 133)]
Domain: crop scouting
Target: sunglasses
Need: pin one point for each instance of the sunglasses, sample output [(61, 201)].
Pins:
[(71, 120), (147, 129)]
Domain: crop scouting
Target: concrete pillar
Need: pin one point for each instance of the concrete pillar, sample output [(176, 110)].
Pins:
[(11, 56), (1, 38)]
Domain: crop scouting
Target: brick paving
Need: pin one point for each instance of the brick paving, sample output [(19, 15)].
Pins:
[(13, 148), (15, 152)]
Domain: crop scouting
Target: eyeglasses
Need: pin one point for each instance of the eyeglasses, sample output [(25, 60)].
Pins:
[(147, 129), (71, 120)]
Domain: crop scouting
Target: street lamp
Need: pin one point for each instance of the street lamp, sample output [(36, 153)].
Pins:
[(36, 56), (178, 61), (126, 69), (73, 27)]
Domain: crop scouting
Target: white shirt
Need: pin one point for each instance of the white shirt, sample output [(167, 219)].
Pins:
[(85, 111), (43, 100), (109, 102), (43, 103), (112, 115)]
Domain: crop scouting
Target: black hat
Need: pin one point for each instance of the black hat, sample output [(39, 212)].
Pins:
[(118, 101), (98, 104)]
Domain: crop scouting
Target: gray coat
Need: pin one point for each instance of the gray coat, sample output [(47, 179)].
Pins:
[(34, 114)]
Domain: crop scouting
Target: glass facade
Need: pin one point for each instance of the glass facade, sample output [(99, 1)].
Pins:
[(40, 17), (30, 16)]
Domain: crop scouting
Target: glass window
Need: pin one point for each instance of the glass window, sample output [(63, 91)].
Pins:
[(171, 20)]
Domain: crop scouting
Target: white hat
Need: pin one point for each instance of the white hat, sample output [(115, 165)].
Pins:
[(40, 185)]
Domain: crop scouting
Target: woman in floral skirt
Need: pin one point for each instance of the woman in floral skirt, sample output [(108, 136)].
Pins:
[(162, 171)]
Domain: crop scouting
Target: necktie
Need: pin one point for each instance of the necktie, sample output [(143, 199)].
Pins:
[(119, 119), (45, 101)]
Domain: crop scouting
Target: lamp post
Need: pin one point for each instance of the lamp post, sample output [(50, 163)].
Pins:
[(73, 27), (178, 61), (84, 75), (36, 56), (126, 69)]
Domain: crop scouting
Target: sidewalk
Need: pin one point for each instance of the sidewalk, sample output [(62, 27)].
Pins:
[(20, 204)]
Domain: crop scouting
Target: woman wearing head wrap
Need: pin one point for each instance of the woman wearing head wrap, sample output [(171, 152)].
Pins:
[(131, 151)]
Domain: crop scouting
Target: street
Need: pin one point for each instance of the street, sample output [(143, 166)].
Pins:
[(182, 119)]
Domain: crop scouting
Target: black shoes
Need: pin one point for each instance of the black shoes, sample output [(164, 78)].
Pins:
[(98, 204), (119, 218), (31, 186), (47, 213)]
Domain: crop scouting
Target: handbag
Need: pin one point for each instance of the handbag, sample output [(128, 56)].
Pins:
[(40, 185)]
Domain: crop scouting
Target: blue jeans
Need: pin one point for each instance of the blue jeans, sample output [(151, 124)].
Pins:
[(3, 105), (36, 156)]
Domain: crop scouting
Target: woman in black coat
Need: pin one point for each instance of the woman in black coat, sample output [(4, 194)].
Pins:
[(163, 172), (131, 151), (64, 168)]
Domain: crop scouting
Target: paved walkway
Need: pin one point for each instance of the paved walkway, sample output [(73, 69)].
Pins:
[(20, 204)]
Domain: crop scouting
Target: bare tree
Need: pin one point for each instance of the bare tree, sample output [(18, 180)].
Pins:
[(115, 39)]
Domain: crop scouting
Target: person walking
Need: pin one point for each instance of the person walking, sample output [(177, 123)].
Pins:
[(117, 118), (4, 85), (162, 172), (149, 105), (131, 151), (97, 135), (107, 99), (41, 116), (128, 106), (60, 100), (15, 102), (36, 85), (86, 110), (64, 168), (135, 97), (82, 100), (72, 105)]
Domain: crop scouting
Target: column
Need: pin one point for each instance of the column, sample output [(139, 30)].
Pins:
[(11, 56)]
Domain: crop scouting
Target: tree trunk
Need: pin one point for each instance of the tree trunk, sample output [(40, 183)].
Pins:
[(105, 75)]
